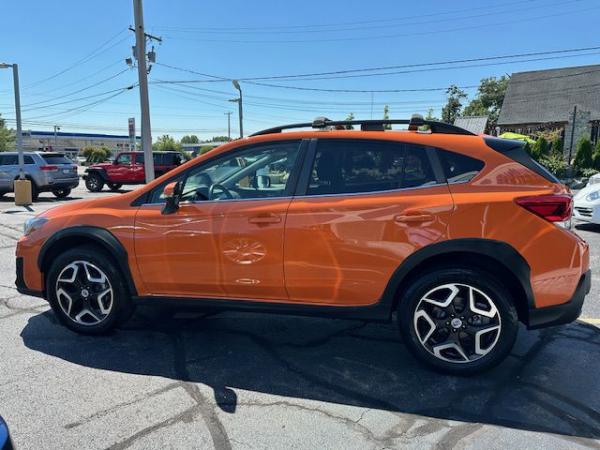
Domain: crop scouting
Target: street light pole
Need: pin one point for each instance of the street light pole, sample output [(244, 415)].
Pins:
[(140, 40), (236, 85), (19, 136)]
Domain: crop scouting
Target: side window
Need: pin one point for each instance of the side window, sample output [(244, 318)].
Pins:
[(27, 159), (10, 160), (258, 172), (343, 167), (124, 159), (459, 168), (139, 158), (3, 160)]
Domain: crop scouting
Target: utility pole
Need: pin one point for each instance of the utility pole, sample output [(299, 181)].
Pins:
[(140, 54), (228, 114)]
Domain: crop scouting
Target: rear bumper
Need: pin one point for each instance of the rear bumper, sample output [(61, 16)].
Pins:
[(561, 314), (20, 281), (65, 183)]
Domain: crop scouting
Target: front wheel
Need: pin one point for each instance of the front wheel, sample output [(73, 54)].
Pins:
[(61, 193), (460, 321), (87, 292), (94, 182)]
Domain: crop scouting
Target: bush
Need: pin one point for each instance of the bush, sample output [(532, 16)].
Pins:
[(596, 156), (583, 155), (96, 154), (557, 146), (540, 149), (555, 164)]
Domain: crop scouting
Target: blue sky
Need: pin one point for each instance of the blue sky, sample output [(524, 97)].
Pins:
[(69, 46)]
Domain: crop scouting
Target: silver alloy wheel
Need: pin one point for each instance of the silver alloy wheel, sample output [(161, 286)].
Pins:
[(457, 323), (84, 293)]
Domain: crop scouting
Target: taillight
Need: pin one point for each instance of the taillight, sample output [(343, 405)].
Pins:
[(552, 207), (48, 167)]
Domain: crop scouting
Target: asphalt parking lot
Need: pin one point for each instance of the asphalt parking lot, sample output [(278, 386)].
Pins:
[(185, 379)]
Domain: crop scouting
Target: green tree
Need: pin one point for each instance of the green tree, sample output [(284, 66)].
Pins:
[(190, 139), (166, 143), (7, 137), (557, 147), (350, 116), (540, 149), (220, 139), (95, 154), (453, 105), (430, 115), (386, 116), (596, 157), (583, 155), (489, 98)]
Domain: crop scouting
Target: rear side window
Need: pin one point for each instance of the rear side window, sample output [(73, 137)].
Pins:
[(343, 167), (459, 168), (56, 159)]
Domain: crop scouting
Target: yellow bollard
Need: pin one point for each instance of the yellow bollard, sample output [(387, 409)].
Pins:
[(22, 192)]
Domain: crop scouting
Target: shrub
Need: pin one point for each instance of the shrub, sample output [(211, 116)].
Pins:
[(95, 154), (583, 155), (596, 156), (555, 164), (540, 149), (557, 146)]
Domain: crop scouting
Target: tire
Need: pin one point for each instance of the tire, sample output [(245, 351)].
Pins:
[(35, 192), (440, 328), (87, 292), (94, 182), (114, 186), (61, 193)]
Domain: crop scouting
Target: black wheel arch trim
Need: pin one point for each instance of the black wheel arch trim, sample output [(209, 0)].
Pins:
[(98, 171), (98, 235), (501, 252)]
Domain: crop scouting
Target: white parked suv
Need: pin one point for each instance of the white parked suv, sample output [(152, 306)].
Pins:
[(587, 201)]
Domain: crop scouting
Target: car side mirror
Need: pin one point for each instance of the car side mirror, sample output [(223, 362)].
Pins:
[(172, 194)]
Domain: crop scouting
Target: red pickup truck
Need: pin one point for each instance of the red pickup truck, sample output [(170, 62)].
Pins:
[(128, 168)]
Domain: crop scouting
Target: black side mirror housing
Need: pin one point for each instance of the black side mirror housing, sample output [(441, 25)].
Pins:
[(172, 193)]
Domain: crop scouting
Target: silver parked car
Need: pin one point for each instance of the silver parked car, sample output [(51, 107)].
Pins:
[(48, 172)]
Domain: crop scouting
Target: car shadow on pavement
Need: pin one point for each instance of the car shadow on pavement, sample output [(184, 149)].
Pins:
[(588, 227), (549, 383)]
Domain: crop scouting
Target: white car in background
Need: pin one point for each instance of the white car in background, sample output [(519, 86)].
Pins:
[(587, 201)]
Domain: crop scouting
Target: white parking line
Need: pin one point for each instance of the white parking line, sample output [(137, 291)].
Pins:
[(590, 320)]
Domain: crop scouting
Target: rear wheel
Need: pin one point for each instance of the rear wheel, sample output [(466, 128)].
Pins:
[(458, 320), (114, 186), (61, 193), (94, 182), (35, 192), (87, 292)]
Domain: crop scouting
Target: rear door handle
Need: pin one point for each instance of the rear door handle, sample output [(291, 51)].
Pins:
[(271, 218), (413, 218)]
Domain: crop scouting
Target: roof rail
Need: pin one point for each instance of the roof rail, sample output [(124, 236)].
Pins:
[(415, 123)]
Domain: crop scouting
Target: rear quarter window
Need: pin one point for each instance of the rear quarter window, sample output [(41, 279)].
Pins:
[(56, 159), (459, 168)]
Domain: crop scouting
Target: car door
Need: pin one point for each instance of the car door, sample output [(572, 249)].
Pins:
[(5, 177), (9, 170), (226, 238), (366, 206), (137, 173), (120, 170)]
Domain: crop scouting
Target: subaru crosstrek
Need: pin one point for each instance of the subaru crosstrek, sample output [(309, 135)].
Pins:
[(460, 235)]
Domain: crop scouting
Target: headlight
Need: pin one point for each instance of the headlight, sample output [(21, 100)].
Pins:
[(593, 196), (35, 223)]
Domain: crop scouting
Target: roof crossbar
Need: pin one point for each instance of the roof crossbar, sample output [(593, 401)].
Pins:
[(415, 123)]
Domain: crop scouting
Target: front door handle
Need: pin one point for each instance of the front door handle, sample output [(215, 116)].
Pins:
[(413, 218), (260, 220)]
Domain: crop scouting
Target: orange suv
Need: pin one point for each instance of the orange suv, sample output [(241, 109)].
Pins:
[(462, 236)]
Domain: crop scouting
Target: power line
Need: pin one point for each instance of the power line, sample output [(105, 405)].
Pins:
[(393, 35), (96, 52), (75, 100), (79, 90), (362, 22)]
